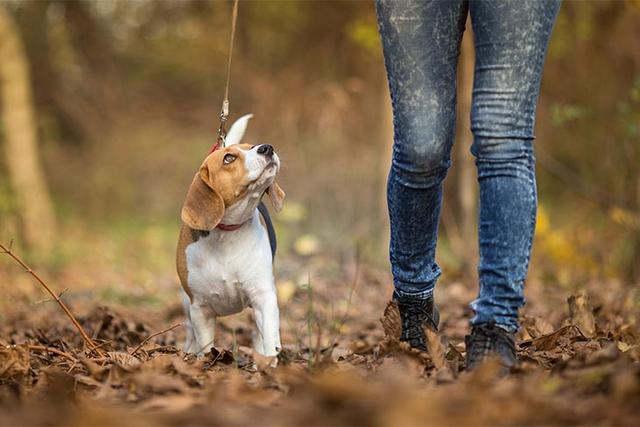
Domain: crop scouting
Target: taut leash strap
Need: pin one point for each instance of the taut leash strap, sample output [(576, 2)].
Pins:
[(224, 112)]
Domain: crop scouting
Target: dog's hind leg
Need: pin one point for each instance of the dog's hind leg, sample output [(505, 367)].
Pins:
[(189, 345), (190, 339)]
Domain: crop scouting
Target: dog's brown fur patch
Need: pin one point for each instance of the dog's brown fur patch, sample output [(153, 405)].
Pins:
[(187, 236), (230, 181), (215, 186)]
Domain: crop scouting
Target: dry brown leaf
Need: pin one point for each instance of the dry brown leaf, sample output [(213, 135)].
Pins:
[(185, 369), (400, 368), (345, 386), (14, 362), (162, 363), (624, 347), (606, 354), (550, 341), (391, 322), (169, 404), (223, 356), (264, 363), (543, 326), (582, 314), (87, 381), (95, 370), (156, 382), (124, 360), (436, 350), (567, 378)]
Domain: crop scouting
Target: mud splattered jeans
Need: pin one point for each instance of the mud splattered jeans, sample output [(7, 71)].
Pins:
[(421, 42)]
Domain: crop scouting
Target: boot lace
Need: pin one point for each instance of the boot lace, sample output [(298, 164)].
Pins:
[(415, 314)]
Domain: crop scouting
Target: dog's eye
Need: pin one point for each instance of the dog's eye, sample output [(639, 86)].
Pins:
[(229, 158)]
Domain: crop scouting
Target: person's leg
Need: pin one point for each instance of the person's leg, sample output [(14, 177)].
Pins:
[(511, 38), (421, 41)]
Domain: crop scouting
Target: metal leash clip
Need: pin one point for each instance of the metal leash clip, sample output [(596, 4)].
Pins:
[(224, 116)]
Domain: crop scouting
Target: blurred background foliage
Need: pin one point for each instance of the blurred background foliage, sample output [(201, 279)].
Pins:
[(126, 96)]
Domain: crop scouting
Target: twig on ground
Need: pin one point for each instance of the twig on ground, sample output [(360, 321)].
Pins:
[(63, 306), (54, 351), (146, 340)]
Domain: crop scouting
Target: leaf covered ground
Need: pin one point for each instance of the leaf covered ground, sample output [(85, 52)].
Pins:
[(342, 365)]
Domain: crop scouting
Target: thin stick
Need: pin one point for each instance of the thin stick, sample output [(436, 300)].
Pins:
[(146, 340), (85, 337), (42, 301), (54, 351)]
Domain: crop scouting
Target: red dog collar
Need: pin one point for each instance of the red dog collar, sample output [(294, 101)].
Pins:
[(213, 148), (230, 227)]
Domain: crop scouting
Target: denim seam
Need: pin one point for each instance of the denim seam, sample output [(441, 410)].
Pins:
[(532, 227)]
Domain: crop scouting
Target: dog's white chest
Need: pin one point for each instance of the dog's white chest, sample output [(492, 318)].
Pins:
[(227, 270)]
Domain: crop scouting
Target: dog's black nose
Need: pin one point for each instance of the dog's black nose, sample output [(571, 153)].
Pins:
[(266, 150)]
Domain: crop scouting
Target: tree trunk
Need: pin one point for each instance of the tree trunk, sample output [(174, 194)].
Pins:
[(24, 168)]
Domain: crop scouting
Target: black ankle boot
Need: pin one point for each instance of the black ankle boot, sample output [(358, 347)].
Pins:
[(415, 314), (488, 340)]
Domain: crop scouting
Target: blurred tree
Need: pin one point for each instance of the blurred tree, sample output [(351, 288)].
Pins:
[(73, 66), (588, 148), (30, 192), (467, 190)]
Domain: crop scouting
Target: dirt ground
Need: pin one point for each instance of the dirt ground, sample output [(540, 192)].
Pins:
[(341, 363)]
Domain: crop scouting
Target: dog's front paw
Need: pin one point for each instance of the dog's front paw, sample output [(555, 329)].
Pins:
[(262, 350), (201, 353), (188, 347), (262, 363)]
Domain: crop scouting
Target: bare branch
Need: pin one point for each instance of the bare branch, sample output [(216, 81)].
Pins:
[(63, 306), (42, 301), (146, 340)]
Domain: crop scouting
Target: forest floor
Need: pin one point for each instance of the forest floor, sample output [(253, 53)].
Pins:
[(341, 365)]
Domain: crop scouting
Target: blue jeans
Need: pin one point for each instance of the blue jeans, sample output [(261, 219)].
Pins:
[(421, 43)]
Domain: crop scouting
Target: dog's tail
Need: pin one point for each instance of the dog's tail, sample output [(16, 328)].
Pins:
[(271, 232)]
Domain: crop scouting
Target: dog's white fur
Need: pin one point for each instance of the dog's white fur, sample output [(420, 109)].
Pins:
[(231, 270)]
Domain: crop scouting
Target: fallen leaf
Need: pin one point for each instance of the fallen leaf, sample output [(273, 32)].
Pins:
[(436, 350), (223, 356), (550, 341), (623, 346), (606, 354), (124, 360), (14, 362), (391, 322), (582, 314)]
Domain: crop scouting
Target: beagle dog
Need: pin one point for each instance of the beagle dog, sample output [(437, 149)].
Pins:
[(226, 245)]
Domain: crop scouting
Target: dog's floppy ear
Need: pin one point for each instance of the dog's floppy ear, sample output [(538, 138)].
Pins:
[(203, 208), (237, 130), (276, 195)]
